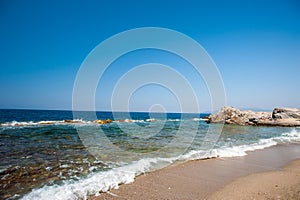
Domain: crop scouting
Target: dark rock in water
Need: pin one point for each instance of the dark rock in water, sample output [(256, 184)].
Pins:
[(279, 117)]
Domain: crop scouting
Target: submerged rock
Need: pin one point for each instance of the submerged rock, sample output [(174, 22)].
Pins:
[(279, 117)]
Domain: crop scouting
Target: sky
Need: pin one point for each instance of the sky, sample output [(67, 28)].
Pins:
[(254, 44)]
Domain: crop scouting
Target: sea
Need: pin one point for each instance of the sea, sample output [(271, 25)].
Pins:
[(48, 154)]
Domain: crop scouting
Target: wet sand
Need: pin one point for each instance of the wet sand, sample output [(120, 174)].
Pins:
[(221, 178)]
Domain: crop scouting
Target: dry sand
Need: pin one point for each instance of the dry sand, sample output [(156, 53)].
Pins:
[(281, 184), (229, 178)]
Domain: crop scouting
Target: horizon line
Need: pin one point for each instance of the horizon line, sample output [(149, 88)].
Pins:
[(45, 109)]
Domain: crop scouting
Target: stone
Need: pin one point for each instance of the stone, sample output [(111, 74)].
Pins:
[(279, 117), (100, 121), (108, 121), (284, 113)]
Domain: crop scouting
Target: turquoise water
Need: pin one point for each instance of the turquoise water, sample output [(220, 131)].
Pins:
[(44, 155)]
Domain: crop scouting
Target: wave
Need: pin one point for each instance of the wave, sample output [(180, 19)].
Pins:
[(241, 150), (174, 120), (104, 181), (95, 183), (85, 122), (31, 123)]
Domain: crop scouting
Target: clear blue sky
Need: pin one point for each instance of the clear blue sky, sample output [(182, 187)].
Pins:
[(255, 44)]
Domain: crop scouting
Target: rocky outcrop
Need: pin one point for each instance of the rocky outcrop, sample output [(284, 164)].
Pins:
[(285, 113), (100, 121), (279, 117)]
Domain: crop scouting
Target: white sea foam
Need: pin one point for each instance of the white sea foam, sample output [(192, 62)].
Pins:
[(30, 123), (16, 123), (95, 183), (174, 120), (104, 181), (40, 123), (151, 120), (197, 119), (80, 122), (133, 120), (241, 150)]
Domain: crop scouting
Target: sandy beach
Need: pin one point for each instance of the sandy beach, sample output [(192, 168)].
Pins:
[(272, 173), (280, 184)]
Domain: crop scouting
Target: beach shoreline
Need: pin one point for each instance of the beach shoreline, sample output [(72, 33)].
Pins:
[(215, 178)]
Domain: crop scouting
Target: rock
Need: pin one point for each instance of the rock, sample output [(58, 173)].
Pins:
[(103, 121), (291, 122), (279, 117), (285, 113), (99, 121), (108, 121)]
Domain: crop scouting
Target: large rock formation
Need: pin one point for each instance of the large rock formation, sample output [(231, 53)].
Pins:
[(279, 117)]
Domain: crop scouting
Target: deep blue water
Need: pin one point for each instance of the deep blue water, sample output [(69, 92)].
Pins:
[(9, 115)]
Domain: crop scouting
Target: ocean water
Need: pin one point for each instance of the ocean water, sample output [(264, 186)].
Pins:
[(48, 155)]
